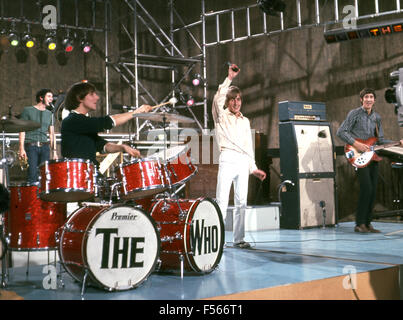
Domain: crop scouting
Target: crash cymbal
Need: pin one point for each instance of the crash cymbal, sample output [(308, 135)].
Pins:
[(161, 130), (163, 116), (12, 125)]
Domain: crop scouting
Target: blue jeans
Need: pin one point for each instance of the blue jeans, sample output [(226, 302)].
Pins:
[(36, 155)]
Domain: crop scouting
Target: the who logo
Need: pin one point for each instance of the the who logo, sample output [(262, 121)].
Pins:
[(49, 21)]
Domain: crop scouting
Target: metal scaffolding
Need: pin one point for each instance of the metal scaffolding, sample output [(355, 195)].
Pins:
[(221, 27), (211, 28)]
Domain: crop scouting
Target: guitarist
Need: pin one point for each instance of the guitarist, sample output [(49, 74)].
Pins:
[(364, 123)]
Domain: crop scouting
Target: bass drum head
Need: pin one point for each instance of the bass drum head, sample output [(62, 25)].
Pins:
[(121, 248), (205, 235)]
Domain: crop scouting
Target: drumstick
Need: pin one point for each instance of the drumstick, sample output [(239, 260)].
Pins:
[(173, 100)]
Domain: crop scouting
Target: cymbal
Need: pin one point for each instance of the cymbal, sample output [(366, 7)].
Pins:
[(11, 125), (163, 116), (167, 129)]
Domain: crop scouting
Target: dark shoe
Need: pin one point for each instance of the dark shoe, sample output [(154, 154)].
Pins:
[(242, 245), (372, 229), (362, 228)]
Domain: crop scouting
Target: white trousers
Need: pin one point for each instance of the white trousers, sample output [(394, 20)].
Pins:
[(233, 168)]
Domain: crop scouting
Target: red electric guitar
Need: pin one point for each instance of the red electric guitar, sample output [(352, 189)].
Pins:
[(362, 159)]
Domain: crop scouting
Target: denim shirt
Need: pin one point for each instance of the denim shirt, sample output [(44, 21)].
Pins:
[(359, 124)]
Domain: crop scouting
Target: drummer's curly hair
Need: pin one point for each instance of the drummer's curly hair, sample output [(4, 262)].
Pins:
[(76, 93)]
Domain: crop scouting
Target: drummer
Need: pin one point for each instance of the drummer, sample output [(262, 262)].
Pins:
[(79, 132), (34, 145)]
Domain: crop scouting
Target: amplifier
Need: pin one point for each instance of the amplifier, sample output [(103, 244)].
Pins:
[(301, 111)]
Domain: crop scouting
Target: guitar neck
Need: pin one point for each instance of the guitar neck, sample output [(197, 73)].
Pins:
[(383, 146)]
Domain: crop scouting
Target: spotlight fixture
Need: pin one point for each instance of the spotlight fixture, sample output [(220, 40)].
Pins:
[(85, 44), (13, 38), (188, 99), (3, 38), (68, 43), (50, 42), (28, 40), (272, 7), (197, 79)]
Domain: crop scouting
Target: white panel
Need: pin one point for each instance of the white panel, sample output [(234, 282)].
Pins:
[(314, 145), (312, 191)]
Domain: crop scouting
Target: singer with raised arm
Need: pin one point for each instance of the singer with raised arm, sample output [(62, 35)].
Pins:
[(79, 131), (34, 146), (237, 158)]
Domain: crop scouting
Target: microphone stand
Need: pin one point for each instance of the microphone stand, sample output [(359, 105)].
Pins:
[(53, 146)]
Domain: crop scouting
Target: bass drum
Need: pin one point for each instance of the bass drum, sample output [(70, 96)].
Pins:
[(117, 246), (192, 231)]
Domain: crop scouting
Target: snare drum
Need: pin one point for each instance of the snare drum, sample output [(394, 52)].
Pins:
[(178, 168), (32, 224), (140, 178), (117, 246), (190, 230), (67, 180)]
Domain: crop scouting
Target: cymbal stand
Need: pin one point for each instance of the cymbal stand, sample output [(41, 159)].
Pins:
[(172, 191), (4, 260)]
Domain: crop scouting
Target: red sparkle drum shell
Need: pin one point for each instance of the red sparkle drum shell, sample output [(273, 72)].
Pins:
[(140, 178), (194, 232), (32, 224), (118, 245), (146, 203), (179, 167), (67, 180)]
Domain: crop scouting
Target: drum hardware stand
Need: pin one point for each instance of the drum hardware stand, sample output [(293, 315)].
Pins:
[(182, 265), (4, 260), (322, 204), (114, 189), (84, 283), (60, 275), (5, 179)]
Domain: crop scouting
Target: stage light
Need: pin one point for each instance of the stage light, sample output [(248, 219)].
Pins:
[(4, 39), (50, 42), (13, 38), (28, 41), (272, 7), (197, 79), (85, 46), (68, 44), (189, 100)]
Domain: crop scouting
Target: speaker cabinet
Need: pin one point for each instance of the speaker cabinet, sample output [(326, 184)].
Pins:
[(307, 159), (309, 203)]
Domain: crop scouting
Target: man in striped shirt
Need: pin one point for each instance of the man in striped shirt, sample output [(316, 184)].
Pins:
[(364, 123)]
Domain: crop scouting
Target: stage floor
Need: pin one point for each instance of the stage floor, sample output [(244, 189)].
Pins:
[(279, 257)]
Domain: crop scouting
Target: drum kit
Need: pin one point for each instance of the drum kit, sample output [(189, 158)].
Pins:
[(126, 226)]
